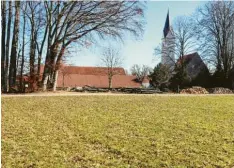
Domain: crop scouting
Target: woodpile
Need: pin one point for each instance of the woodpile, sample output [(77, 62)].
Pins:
[(116, 90), (139, 90), (93, 89), (220, 90), (194, 90)]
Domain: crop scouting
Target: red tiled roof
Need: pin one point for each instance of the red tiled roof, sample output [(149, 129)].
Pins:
[(87, 70), (75, 80), (91, 70)]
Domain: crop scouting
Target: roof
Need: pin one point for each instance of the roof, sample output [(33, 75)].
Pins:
[(167, 25), (99, 81), (90, 70), (188, 58), (194, 65), (82, 70)]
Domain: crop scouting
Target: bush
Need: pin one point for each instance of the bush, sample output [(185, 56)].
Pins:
[(218, 79)]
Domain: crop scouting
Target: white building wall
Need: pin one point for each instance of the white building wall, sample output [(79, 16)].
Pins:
[(145, 85), (168, 50)]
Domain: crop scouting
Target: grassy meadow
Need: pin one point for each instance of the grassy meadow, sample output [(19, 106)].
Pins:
[(118, 131)]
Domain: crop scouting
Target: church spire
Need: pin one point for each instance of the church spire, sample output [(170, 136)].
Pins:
[(168, 44), (167, 25)]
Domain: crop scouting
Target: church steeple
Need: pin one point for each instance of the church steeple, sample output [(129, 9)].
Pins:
[(167, 25), (168, 44)]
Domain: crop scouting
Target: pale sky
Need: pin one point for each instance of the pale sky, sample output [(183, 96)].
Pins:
[(141, 51)]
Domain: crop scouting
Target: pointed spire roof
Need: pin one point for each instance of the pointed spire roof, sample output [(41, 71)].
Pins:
[(167, 25)]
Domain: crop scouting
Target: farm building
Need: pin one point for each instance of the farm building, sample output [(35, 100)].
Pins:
[(79, 76), (75, 76)]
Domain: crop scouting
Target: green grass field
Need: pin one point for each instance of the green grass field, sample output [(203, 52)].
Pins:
[(118, 131)]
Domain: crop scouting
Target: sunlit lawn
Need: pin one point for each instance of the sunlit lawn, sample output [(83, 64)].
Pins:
[(118, 131)]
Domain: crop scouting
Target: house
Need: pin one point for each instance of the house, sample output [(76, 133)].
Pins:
[(145, 82)]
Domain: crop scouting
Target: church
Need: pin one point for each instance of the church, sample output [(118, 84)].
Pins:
[(196, 69)]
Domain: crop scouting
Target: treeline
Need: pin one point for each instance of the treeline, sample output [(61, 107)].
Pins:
[(214, 30), (210, 32), (36, 33)]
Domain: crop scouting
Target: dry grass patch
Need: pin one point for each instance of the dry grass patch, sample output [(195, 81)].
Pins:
[(118, 131)]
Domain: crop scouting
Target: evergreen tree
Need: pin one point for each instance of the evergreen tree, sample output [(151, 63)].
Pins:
[(160, 76), (180, 79)]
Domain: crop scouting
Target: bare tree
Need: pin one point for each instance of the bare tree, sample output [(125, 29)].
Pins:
[(33, 12), (111, 59), (52, 27), (214, 25), (185, 41), (69, 22), (140, 71), (14, 47)]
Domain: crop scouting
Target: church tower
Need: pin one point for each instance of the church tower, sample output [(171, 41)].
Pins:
[(168, 44)]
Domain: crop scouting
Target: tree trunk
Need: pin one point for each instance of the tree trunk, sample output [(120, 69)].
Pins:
[(57, 66), (39, 70), (3, 57), (12, 74), (32, 51), (8, 47), (44, 86), (46, 72), (40, 54), (22, 62), (49, 66), (55, 80), (110, 83), (18, 58), (63, 80)]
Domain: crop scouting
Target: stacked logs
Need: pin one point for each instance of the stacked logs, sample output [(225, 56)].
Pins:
[(220, 90), (194, 90)]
